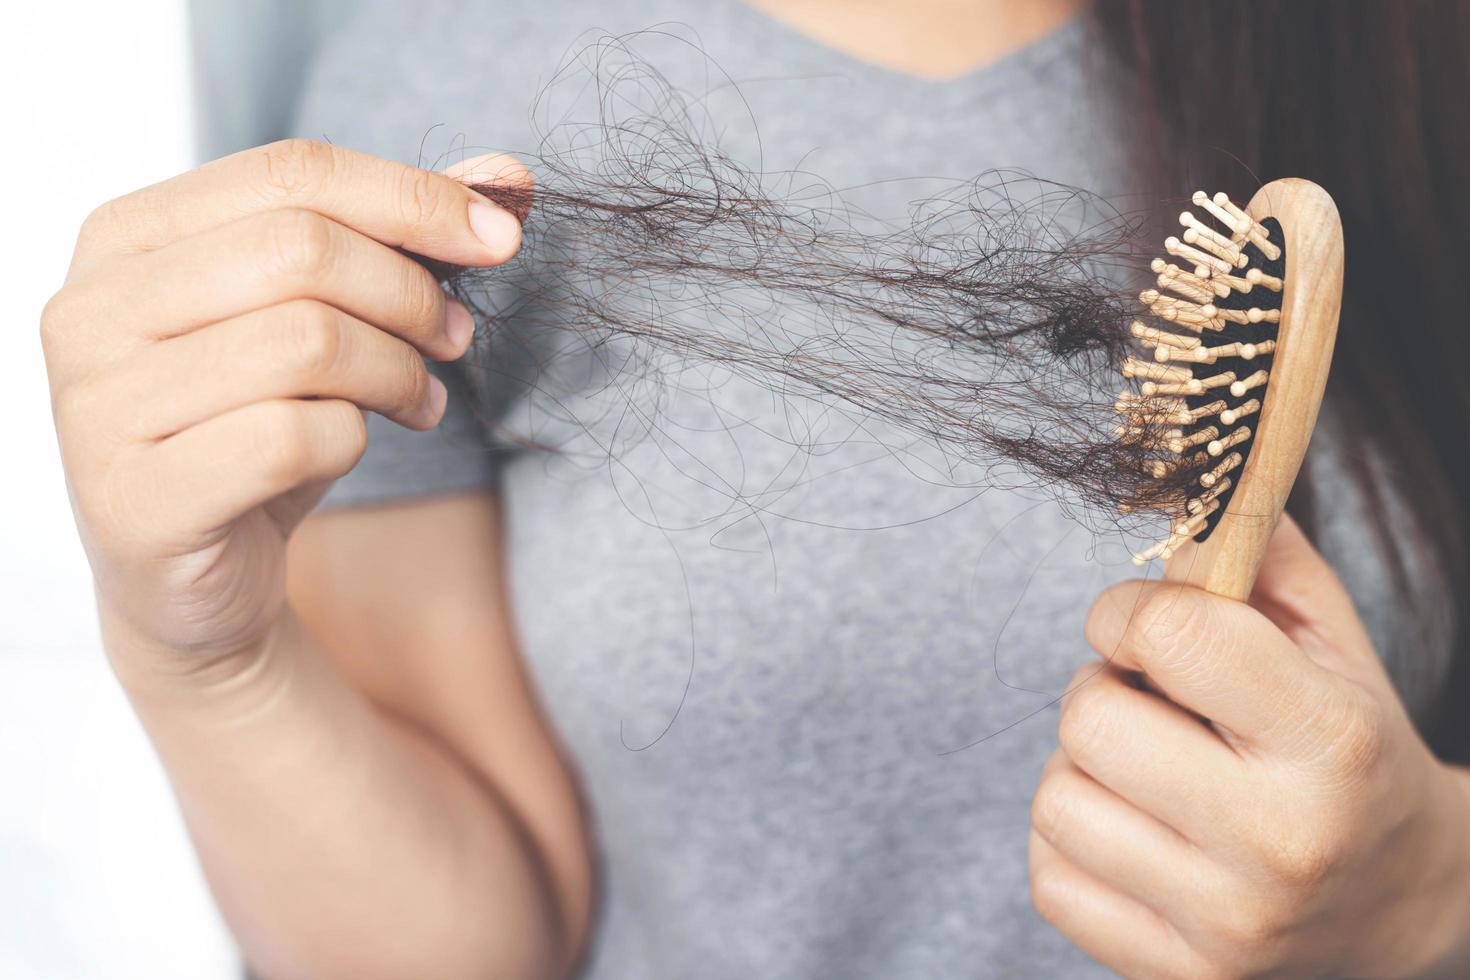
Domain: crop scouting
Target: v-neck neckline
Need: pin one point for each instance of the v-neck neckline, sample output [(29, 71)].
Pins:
[(1036, 52)]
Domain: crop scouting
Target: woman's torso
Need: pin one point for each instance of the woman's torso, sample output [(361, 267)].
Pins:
[(804, 672)]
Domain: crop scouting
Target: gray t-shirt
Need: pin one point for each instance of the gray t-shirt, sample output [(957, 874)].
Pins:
[(822, 619)]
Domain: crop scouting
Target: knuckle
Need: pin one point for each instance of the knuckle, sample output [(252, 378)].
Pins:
[(99, 226), (413, 386), (1083, 675), (1248, 927), (1302, 860), (1169, 627), (1357, 745), (1090, 722), (300, 244), (1054, 807), (424, 301), (346, 439), (311, 339), (56, 317), (354, 433), (283, 440), (1048, 894), (76, 406), (291, 168), (422, 197), (107, 503)]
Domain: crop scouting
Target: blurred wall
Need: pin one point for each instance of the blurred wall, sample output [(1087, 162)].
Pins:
[(249, 63), (97, 881)]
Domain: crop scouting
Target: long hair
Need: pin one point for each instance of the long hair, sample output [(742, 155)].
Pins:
[(1369, 100), (972, 326)]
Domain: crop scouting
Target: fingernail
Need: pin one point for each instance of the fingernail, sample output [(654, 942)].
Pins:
[(480, 169), (459, 326), (497, 228), (433, 409)]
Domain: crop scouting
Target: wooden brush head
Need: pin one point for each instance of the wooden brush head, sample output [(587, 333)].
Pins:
[(1238, 370)]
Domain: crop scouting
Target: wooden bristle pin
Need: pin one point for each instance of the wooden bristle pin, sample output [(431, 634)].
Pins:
[(1209, 355), (1130, 402), (1268, 279), (1186, 320), (1197, 233), (1204, 263), (1232, 415), (1231, 284), (1134, 368), (1261, 239), (1238, 220), (1204, 411), (1195, 504), (1144, 332), (1160, 468), (1182, 442), (1231, 219), (1258, 278), (1185, 311), (1235, 316), (1195, 523), (1150, 553), (1218, 446), (1220, 247), (1212, 477), (1173, 277), (1239, 388), (1194, 386), (1147, 436), (1188, 290)]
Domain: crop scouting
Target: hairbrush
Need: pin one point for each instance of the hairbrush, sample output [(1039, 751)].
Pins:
[(1228, 384)]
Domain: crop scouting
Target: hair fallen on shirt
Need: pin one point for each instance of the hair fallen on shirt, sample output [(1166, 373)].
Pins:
[(989, 322)]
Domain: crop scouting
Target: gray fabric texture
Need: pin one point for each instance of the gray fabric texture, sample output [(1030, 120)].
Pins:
[(823, 626)]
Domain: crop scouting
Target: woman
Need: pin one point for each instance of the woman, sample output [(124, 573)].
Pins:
[(354, 724)]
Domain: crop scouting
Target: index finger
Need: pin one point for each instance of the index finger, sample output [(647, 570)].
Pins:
[(1219, 658), (398, 205)]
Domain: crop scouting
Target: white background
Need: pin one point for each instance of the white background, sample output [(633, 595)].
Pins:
[(96, 878)]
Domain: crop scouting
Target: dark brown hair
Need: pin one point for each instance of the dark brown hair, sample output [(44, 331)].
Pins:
[(977, 326), (1372, 101), (989, 322)]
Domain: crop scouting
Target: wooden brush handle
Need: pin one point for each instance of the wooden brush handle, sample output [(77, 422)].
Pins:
[(1227, 562)]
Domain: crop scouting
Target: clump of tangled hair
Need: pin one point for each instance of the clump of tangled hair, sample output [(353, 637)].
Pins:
[(990, 324)]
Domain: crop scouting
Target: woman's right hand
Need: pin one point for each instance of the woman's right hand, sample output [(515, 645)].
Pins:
[(211, 352)]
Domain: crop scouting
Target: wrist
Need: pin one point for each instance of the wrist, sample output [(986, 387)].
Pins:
[(1443, 932), (154, 673)]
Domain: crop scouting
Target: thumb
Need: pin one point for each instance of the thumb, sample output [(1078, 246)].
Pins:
[(1298, 591), (502, 178)]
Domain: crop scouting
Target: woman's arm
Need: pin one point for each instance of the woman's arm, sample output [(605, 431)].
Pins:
[(377, 794), (1240, 793), (451, 670), (384, 803)]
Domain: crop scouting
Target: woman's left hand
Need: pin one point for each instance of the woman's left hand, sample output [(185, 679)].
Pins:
[(1262, 805)]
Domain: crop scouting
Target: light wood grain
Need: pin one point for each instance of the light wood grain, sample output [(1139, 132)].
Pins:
[(1227, 563)]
